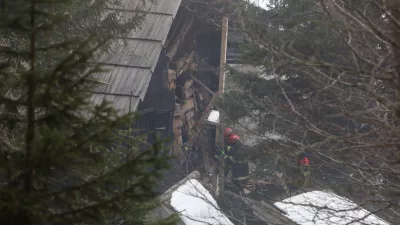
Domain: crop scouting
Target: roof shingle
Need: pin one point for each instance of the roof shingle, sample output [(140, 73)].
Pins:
[(133, 58)]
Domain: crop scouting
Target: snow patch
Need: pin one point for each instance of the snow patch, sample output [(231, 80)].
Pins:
[(325, 208), (196, 205), (260, 3), (271, 77)]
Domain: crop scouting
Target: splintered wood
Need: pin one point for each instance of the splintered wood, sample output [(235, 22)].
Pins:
[(184, 63), (171, 79), (177, 128), (188, 105), (185, 112)]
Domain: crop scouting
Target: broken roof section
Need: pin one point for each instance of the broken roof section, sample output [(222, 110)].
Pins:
[(134, 57)]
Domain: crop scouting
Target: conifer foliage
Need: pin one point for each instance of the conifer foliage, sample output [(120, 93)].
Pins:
[(57, 166)]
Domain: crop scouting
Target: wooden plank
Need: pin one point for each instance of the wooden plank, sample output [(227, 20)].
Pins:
[(171, 85), (171, 75), (155, 55), (179, 38), (196, 106), (144, 77), (164, 31), (188, 105), (152, 23), (114, 81), (222, 64), (178, 110), (104, 77), (129, 84), (188, 84), (147, 61), (138, 77), (184, 63), (203, 85), (114, 55), (188, 93), (155, 24), (137, 58), (158, 28), (124, 87), (145, 85)]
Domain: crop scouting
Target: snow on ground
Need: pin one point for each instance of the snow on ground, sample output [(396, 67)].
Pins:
[(196, 205), (325, 208), (260, 3)]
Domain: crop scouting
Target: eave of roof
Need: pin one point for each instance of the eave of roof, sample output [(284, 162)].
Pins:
[(134, 57)]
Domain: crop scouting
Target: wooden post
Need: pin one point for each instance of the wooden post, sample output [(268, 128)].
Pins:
[(219, 136), (222, 59)]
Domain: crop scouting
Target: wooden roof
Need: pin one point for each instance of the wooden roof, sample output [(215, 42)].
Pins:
[(134, 57)]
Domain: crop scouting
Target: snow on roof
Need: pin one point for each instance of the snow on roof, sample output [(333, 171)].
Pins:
[(196, 205), (325, 208)]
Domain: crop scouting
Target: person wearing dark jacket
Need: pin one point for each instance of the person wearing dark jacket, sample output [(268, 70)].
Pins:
[(240, 173), (232, 145)]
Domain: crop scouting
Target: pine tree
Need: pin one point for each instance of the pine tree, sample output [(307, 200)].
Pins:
[(57, 166)]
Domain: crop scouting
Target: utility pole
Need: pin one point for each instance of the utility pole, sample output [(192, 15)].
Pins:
[(219, 136)]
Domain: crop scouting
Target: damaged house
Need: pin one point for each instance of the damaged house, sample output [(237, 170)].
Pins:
[(170, 71)]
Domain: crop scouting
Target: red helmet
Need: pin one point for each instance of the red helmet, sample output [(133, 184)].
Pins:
[(303, 161), (233, 138), (227, 131)]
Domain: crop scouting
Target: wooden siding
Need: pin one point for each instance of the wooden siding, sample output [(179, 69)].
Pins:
[(131, 63)]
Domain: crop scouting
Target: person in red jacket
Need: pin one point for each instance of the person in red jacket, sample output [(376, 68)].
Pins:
[(303, 164)]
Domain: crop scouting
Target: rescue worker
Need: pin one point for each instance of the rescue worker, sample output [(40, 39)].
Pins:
[(227, 132), (240, 174), (230, 137), (232, 144), (303, 164)]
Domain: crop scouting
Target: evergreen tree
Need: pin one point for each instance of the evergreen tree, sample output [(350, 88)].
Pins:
[(57, 166)]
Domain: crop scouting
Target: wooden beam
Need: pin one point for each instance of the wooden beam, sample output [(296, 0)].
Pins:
[(179, 38), (219, 136), (184, 64), (203, 85), (188, 84), (222, 59)]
